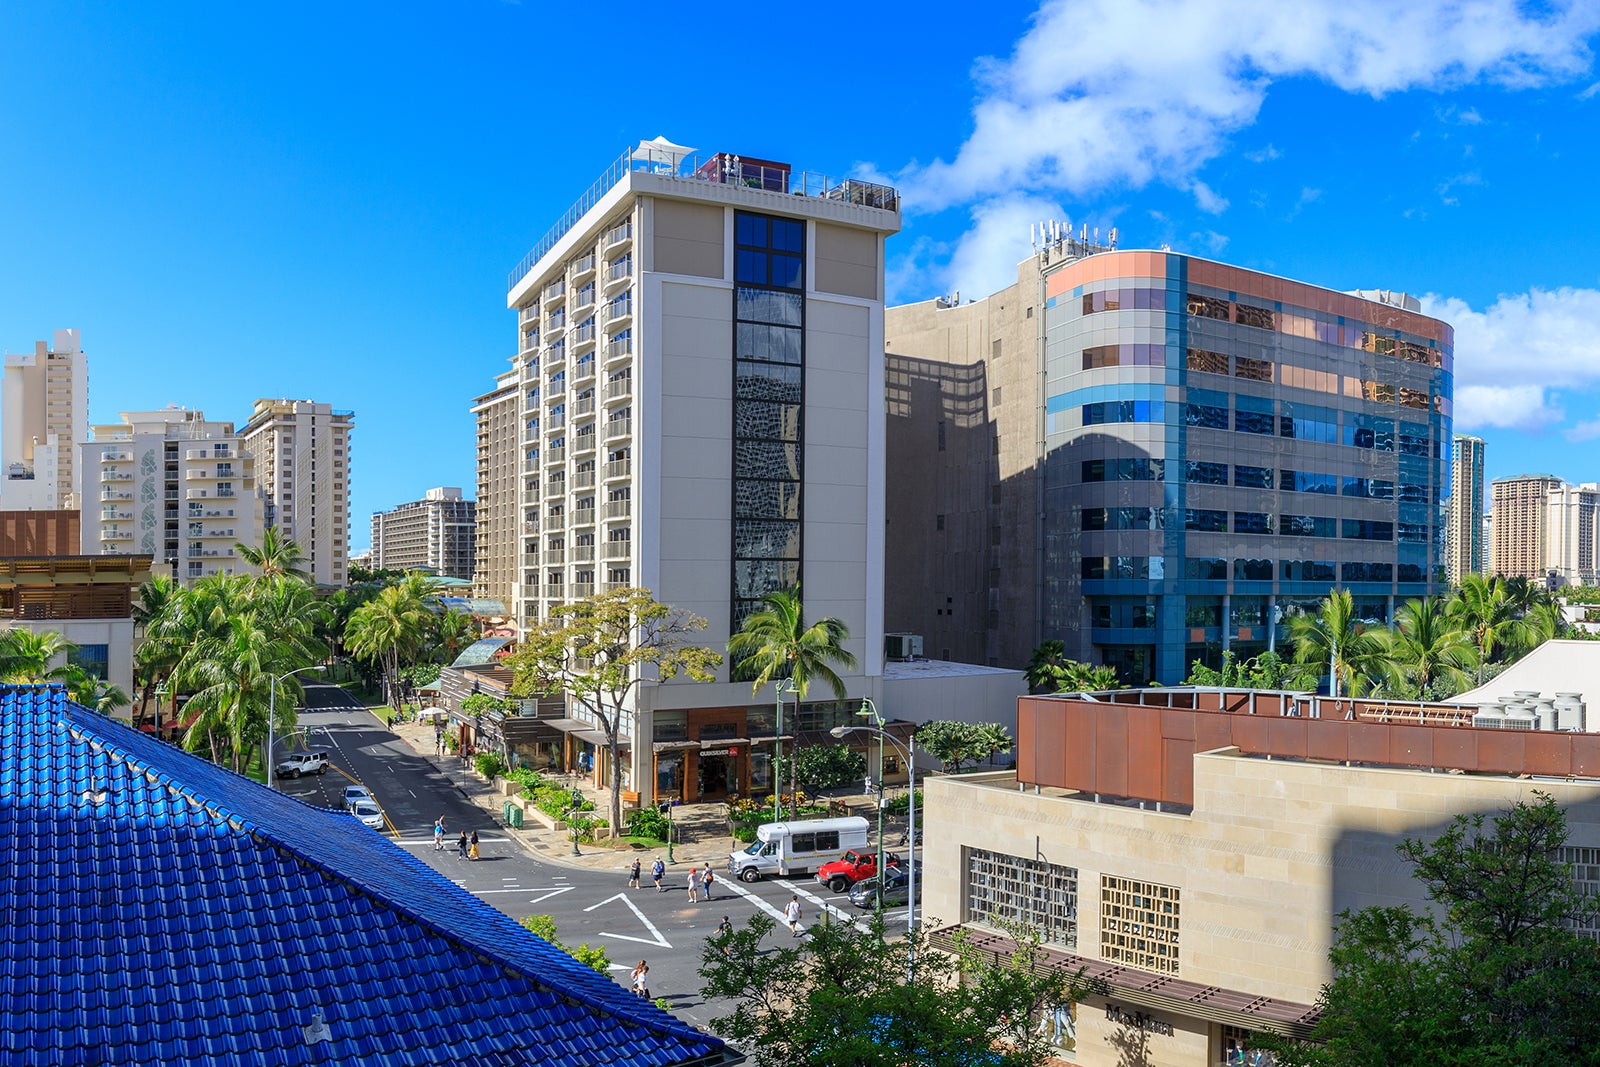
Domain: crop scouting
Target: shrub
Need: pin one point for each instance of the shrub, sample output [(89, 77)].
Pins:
[(544, 928), (901, 804), (648, 822), (555, 801), (490, 765)]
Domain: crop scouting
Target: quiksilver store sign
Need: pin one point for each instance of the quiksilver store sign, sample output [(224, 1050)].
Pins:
[(1137, 1020)]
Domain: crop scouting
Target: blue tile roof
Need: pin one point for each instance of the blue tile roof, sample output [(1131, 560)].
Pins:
[(155, 908)]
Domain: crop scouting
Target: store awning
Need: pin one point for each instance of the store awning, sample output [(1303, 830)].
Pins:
[(598, 737), (727, 742), (673, 746), (568, 726)]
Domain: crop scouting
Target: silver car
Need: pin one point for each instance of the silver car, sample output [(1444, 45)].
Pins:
[(368, 812), (865, 894)]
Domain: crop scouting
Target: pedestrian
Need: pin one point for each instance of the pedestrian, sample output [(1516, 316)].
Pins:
[(707, 879), (461, 847), (791, 915), (633, 875), (473, 851), (657, 869), (724, 928), (641, 980), (694, 885), (438, 834)]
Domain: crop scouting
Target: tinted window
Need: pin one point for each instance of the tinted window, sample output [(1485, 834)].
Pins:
[(803, 843)]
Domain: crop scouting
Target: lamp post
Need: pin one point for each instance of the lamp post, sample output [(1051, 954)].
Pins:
[(272, 710), (785, 685), (868, 708), (909, 749)]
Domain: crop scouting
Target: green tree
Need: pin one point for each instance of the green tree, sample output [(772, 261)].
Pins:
[(155, 652), (450, 632), (599, 649), (1047, 667), (1483, 609), (776, 643), (1427, 651), (228, 673), (26, 657), (390, 628), (1333, 635), (1493, 974), (956, 743), (92, 692), (1265, 671), (276, 557), (823, 766), (544, 928), (842, 996)]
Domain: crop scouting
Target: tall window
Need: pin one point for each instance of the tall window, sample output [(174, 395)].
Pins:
[(1010, 889), (1139, 923), (768, 395)]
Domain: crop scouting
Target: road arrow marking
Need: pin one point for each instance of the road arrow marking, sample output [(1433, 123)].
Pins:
[(654, 939)]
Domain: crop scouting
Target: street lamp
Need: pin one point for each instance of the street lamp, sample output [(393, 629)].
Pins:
[(868, 708), (785, 685), (272, 710), (909, 749)]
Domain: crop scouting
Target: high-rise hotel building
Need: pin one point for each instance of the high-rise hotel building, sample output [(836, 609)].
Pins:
[(1464, 531), (700, 384), (1179, 454), (302, 456)]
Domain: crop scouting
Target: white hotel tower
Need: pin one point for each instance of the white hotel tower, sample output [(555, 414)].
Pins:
[(700, 368)]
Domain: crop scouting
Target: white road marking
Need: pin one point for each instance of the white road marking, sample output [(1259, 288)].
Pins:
[(818, 901), (655, 939), (544, 894), (753, 898), (411, 842)]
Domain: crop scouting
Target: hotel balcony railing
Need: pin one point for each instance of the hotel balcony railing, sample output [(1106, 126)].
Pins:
[(616, 550), (618, 428), (201, 454), (619, 509), (723, 169), (114, 494), (621, 308), (623, 346), (116, 455), (113, 515), (583, 553), (554, 291), (555, 522), (554, 556), (583, 442), (583, 517), (619, 387), (619, 468), (555, 455), (581, 266), (581, 589), (115, 476), (617, 234), (583, 479)]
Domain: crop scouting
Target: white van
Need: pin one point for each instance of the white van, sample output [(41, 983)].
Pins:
[(789, 848)]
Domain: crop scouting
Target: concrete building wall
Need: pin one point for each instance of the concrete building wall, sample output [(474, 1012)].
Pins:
[(437, 533), (302, 451), (499, 507)]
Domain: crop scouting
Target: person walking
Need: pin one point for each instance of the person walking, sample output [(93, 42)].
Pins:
[(791, 915), (724, 928), (657, 869), (633, 875), (641, 980), (438, 834), (472, 853), (461, 847), (694, 885), (708, 878)]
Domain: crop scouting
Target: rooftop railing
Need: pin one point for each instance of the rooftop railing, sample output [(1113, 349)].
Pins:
[(716, 168)]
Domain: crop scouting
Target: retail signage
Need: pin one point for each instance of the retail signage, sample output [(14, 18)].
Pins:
[(1137, 1020), (719, 752)]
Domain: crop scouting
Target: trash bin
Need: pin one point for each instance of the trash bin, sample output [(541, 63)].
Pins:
[(513, 816), (505, 812)]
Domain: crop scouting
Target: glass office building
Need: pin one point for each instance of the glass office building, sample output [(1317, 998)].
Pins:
[(1221, 448)]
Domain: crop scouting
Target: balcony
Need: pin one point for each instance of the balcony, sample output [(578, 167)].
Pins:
[(554, 422), (555, 522), (616, 550), (116, 455), (581, 299), (553, 556), (113, 515), (583, 442), (581, 589), (115, 494), (618, 311), (198, 475), (583, 553), (581, 267), (555, 456), (618, 429), (115, 476), (200, 455), (226, 492), (555, 357), (614, 586), (530, 496), (111, 536), (619, 389), (582, 338), (583, 479), (619, 468), (583, 516), (583, 371), (617, 275), (556, 486), (553, 293), (530, 526), (214, 513), (583, 406), (215, 534), (196, 552), (528, 319), (619, 509), (619, 348)]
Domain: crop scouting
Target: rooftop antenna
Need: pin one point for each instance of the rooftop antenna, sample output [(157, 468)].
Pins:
[(1112, 237)]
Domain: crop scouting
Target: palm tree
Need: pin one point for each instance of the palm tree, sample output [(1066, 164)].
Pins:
[(277, 557), (1426, 648), (91, 691), (776, 644), (1334, 636), (1483, 609), (452, 631), (25, 656), (1047, 667), (230, 672), (391, 627)]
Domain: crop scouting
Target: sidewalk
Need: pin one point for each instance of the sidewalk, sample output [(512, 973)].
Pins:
[(702, 828)]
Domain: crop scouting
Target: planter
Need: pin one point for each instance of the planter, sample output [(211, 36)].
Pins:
[(630, 798), (549, 822), (508, 789)]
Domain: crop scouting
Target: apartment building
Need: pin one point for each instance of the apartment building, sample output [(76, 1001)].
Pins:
[(44, 413), (699, 377), (1156, 458), (1464, 544), (438, 533), (1545, 529), (173, 485), (1191, 852), (302, 455), (499, 538), (1571, 514)]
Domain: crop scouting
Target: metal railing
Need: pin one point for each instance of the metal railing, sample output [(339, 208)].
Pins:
[(620, 270), (583, 516), (720, 169), (582, 265), (583, 553), (619, 387), (619, 468), (620, 308), (619, 428), (619, 509), (621, 346), (616, 550)]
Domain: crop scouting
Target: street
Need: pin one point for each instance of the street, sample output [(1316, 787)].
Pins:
[(589, 904)]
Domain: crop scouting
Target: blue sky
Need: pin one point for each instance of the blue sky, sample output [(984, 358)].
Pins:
[(323, 201)]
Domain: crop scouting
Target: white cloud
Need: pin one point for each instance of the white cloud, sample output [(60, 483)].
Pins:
[(1583, 431), (1207, 200), (1102, 92), (1263, 155), (1513, 357), (986, 256)]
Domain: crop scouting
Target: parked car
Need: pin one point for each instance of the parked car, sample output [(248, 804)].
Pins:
[(354, 794), (368, 812), (865, 893), (853, 866), (302, 763)]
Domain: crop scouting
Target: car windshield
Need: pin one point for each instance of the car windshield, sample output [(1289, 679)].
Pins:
[(367, 808), (866, 885), (754, 850)]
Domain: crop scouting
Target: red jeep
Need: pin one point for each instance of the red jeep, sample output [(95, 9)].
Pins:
[(853, 866)]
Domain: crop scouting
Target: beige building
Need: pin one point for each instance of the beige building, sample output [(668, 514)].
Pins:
[(437, 533), (172, 485), (1191, 850), (1545, 529), (700, 379), (1464, 544), (302, 456), (44, 413), (500, 532)]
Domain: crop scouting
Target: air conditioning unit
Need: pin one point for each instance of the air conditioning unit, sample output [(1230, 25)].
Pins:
[(902, 646)]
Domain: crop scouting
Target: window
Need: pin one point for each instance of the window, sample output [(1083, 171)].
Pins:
[(1124, 356), (1248, 315), (1206, 307), (1308, 570), (1003, 890), (1413, 439), (1204, 520), (1207, 570), (1414, 532), (1252, 522), (1252, 570), (1366, 572), (1207, 409), (1319, 425), (1253, 414), (1139, 924), (1305, 482), (1255, 370), (1308, 526), (1367, 530), (1209, 362), (938, 522), (1204, 473), (1252, 477), (1124, 411), (1122, 470), (94, 659)]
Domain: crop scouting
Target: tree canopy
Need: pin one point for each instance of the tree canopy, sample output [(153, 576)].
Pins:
[(956, 743)]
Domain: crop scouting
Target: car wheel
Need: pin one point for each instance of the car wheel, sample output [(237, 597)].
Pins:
[(750, 874), (322, 770), (294, 774), (839, 883)]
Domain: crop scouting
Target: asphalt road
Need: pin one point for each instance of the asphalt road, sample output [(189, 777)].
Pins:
[(589, 906)]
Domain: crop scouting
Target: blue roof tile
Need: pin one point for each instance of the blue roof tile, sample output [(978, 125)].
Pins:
[(160, 909)]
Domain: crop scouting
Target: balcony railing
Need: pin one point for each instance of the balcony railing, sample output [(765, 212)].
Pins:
[(619, 468), (583, 479), (116, 455), (115, 494), (583, 553), (616, 550), (195, 455), (553, 456), (616, 349), (115, 476), (554, 291), (619, 387), (581, 266), (619, 509), (720, 169), (583, 442), (554, 556), (620, 308), (116, 535), (619, 271), (581, 589), (618, 428), (618, 234), (555, 522)]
